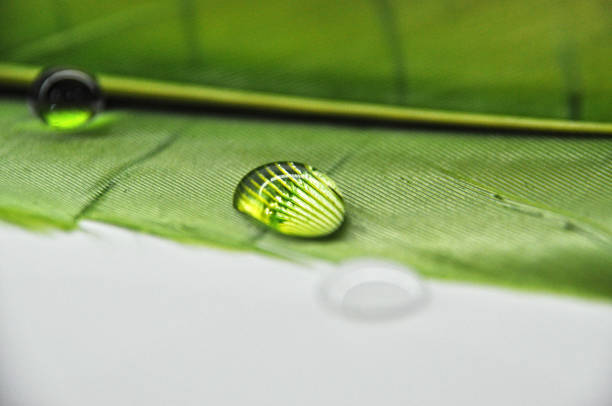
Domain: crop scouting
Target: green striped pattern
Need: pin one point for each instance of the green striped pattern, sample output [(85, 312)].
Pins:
[(292, 198)]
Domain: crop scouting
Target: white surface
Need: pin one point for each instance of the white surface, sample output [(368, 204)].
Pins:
[(109, 317)]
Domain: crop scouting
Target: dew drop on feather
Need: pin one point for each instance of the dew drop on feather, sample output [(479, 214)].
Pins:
[(65, 99), (291, 198)]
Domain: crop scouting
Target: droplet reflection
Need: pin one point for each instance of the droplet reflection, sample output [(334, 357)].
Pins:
[(372, 290)]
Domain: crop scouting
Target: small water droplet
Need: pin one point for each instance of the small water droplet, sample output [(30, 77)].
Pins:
[(65, 98), (372, 290), (291, 198)]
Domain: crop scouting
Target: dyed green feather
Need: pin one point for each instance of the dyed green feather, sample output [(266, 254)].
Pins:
[(527, 211)]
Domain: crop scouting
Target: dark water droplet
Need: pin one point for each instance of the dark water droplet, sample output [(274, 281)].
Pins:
[(65, 98), (291, 198)]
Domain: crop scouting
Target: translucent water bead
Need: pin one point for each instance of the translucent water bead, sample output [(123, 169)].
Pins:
[(65, 98), (291, 198)]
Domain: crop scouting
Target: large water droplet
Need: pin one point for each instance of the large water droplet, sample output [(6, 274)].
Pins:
[(65, 98), (372, 290), (291, 198)]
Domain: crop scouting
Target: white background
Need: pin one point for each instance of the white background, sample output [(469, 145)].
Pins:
[(104, 316)]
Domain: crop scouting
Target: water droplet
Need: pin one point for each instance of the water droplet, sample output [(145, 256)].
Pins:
[(291, 198), (65, 98), (372, 290)]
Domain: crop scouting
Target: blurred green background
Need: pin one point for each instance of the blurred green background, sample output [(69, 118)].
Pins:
[(545, 58)]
